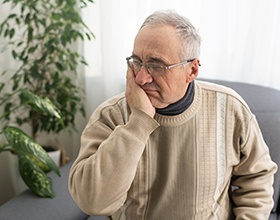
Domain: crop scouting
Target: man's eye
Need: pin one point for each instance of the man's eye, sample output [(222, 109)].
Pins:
[(154, 66), (137, 62)]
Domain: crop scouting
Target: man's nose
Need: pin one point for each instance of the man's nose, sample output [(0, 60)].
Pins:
[(143, 76)]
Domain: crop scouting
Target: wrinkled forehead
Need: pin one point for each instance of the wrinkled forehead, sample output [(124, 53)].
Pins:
[(157, 41)]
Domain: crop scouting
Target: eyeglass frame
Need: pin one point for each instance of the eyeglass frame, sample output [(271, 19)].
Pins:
[(161, 65)]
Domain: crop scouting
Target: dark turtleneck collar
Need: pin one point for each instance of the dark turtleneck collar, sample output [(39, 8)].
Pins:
[(181, 105)]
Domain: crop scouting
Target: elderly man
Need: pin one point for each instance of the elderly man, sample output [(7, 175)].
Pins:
[(172, 147)]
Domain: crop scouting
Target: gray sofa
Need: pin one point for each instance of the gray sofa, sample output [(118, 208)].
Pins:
[(263, 101), (28, 206)]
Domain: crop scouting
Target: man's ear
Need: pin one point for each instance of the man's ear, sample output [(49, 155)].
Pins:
[(194, 70)]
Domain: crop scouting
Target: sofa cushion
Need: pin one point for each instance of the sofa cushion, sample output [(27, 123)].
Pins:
[(28, 206)]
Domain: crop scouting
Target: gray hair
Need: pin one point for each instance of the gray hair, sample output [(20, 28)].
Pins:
[(188, 33)]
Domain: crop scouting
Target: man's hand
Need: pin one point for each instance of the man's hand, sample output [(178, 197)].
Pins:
[(136, 96)]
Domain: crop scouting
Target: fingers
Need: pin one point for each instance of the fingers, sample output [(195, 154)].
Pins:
[(129, 77), (136, 96), (131, 87), (130, 82)]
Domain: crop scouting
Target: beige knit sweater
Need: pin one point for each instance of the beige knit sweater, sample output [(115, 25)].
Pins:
[(132, 166)]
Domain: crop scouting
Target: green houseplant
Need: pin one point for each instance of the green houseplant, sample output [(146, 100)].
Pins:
[(41, 92)]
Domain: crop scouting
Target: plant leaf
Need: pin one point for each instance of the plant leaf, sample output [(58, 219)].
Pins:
[(23, 144), (41, 104), (35, 160), (1, 86), (12, 33), (34, 177)]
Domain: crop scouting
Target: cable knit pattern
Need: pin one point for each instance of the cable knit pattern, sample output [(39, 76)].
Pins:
[(221, 151)]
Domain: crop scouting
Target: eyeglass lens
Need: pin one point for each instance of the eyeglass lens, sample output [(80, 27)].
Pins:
[(152, 69)]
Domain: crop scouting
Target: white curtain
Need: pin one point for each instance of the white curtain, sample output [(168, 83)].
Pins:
[(240, 40)]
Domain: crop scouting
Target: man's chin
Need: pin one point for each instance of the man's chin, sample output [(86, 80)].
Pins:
[(156, 103)]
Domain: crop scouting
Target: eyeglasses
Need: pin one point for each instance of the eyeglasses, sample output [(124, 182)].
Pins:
[(154, 69)]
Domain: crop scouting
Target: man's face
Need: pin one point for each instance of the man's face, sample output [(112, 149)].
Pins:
[(161, 44)]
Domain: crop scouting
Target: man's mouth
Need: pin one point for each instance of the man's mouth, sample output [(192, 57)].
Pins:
[(149, 91)]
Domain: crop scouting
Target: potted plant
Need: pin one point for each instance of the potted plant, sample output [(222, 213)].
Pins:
[(41, 92)]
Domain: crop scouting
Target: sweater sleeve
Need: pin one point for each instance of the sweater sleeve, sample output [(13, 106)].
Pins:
[(253, 177), (106, 165)]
